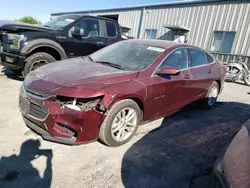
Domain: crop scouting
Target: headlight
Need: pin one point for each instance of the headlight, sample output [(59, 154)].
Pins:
[(78, 104), (14, 40)]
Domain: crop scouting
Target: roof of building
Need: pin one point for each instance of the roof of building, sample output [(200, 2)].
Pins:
[(184, 2)]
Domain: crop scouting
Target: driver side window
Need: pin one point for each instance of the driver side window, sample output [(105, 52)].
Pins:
[(87, 28), (177, 59)]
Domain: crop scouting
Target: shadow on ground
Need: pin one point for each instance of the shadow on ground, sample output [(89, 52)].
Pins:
[(17, 171), (12, 75), (181, 152)]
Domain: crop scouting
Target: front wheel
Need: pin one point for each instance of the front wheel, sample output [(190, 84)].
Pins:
[(212, 96), (37, 60), (247, 79), (121, 123)]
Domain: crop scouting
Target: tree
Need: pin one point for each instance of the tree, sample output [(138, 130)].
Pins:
[(29, 20)]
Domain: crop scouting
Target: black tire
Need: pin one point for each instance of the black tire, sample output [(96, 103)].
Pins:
[(247, 80), (105, 134), (206, 103), (41, 58)]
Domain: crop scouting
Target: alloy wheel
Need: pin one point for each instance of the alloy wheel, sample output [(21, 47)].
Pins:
[(212, 96), (124, 124)]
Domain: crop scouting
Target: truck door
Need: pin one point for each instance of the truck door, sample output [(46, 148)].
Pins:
[(111, 31), (85, 37)]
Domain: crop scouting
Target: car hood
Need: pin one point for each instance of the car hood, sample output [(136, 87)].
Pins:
[(14, 26), (76, 73)]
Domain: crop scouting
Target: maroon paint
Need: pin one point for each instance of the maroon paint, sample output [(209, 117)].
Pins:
[(80, 78)]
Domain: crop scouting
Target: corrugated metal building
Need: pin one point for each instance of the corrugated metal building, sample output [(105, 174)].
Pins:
[(220, 26)]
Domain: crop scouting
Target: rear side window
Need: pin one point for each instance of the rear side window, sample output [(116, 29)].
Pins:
[(111, 29), (198, 57), (209, 59)]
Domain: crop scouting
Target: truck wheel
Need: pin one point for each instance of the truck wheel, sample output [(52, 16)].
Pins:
[(121, 123), (37, 60)]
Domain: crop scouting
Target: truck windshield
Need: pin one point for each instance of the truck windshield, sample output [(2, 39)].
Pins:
[(128, 55), (61, 21)]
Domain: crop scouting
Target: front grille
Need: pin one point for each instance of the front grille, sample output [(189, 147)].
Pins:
[(38, 111), (32, 109)]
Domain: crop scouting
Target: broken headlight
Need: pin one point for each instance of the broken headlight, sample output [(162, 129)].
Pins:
[(78, 104)]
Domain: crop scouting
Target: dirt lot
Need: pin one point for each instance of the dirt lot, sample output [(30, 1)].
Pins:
[(175, 152)]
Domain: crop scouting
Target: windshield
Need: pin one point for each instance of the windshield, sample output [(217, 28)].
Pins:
[(128, 55), (61, 21)]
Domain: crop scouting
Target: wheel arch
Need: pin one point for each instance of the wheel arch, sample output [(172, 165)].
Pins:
[(140, 104), (138, 100), (44, 45), (219, 83)]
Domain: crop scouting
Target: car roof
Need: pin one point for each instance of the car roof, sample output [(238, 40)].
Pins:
[(159, 43)]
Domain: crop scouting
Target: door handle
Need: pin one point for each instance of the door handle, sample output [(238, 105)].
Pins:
[(100, 43), (209, 71), (187, 77)]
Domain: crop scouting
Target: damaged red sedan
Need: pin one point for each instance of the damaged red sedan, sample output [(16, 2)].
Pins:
[(107, 94)]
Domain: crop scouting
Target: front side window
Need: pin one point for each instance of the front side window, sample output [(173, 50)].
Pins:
[(88, 28), (198, 58), (150, 33), (223, 41), (177, 59), (129, 56), (111, 29)]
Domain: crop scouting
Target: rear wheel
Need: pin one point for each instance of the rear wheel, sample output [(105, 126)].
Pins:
[(212, 96), (247, 79), (121, 123), (37, 60)]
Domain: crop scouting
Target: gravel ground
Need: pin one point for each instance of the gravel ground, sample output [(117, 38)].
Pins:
[(175, 152)]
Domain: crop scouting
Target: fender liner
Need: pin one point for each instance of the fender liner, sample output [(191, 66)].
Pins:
[(36, 43)]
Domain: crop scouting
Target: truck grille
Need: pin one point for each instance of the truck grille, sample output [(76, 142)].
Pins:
[(32, 109)]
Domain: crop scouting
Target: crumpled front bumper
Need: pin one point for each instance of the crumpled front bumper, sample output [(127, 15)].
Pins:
[(46, 135), (57, 124)]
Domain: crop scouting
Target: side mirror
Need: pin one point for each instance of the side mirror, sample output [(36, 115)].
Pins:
[(169, 71), (77, 32)]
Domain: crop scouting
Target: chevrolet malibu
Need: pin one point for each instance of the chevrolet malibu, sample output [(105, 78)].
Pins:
[(109, 93)]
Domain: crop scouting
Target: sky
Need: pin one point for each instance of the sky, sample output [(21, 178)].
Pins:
[(41, 9)]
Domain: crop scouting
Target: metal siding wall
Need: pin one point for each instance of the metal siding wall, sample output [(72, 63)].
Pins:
[(129, 19), (227, 57), (203, 19)]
